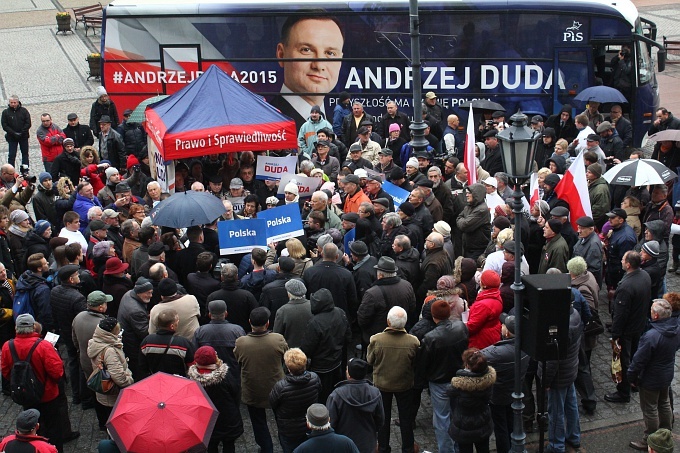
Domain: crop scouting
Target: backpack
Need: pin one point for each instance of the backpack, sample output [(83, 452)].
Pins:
[(25, 388), (22, 303)]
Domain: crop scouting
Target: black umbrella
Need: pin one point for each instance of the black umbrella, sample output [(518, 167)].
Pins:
[(483, 104), (639, 172), (187, 209)]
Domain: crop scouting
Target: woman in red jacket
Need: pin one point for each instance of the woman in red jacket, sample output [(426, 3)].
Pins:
[(484, 324)]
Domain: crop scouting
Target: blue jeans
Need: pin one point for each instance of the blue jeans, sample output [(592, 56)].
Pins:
[(23, 145), (564, 419), (441, 414)]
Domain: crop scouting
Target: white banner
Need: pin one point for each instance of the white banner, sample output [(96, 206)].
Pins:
[(306, 185), (272, 168)]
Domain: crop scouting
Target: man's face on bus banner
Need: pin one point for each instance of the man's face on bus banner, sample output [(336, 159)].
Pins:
[(311, 38)]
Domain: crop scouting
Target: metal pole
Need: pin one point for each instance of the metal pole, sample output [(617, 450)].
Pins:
[(418, 127), (518, 436)]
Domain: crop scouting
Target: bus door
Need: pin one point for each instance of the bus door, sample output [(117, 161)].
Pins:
[(571, 73), (180, 64)]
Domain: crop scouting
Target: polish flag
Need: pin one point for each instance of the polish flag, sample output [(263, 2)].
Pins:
[(573, 188), (469, 156), (533, 189)]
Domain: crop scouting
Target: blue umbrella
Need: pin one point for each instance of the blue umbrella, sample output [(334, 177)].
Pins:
[(187, 209), (602, 94)]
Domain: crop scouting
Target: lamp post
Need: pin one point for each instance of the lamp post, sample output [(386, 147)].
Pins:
[(518, 146), (418, 126)]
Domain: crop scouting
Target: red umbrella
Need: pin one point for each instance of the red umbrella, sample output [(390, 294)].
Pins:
[(162, 413)]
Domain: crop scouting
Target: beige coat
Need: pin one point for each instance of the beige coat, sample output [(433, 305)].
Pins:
[(189, 311), (114, 359)]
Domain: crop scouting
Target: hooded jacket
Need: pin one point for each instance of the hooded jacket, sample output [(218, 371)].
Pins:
[(653, 364), (657, 228), (39, 296), (469, 395), (43, 205), (600, 200), (290, 398), (221, 385), (560, 163), (105, 347), (326, 334), (356, 411), (307, 134), (34, 243), (659, 211), (475, 223), (484, 326)]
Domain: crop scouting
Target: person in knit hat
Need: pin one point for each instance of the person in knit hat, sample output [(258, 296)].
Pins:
[(101, 107), (221, 384), (291, 319), (322, 436), (483, 325), (661, 441), (447, 291), (555, 252)]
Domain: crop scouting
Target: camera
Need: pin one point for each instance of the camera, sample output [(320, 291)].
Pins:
[(24, 170)]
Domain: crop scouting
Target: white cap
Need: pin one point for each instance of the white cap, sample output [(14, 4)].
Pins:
[(412, 162), (291, 187), (491, 181), (360, 172)]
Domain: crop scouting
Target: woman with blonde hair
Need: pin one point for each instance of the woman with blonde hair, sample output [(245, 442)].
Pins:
[(633, 207), (296, 251)]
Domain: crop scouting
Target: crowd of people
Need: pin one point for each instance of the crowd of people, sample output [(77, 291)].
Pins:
[(324, 333)]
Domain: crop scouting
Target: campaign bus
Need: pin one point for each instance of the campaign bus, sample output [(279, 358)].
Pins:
[(527, 55)]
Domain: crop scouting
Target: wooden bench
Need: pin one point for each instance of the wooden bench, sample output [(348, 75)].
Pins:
[(672, 48), (84, 11), (92, 22)]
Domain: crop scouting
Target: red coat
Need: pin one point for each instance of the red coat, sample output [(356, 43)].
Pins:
[(47, 364), (484, 325), (39, 443), (50, 142)]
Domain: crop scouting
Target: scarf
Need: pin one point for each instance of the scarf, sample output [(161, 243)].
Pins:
[(16, 229)]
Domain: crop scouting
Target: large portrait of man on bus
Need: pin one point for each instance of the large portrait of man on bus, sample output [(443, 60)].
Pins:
[(317, 41)]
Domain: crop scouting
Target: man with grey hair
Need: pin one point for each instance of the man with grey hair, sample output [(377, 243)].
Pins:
[(322, 436), (330, 275), (16, 122), (392, 353), (391, 228), (407, 258), (49, 370), (503, 189), (241, 302), (652, 369), (198, 186), (306, 167), (319, 202)]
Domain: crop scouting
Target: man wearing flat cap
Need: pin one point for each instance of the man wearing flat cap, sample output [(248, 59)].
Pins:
[(111, 145), (562, 214), (374, 190), (329, 164), (356, 408), (84, 325), (322, 436), (26, 433), (220, 334), (66, 302), (49, 370)]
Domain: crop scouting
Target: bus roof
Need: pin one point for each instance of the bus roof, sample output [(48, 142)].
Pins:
[(624, 9)]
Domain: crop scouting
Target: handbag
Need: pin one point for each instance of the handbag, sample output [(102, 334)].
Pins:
[(100, 380), (594, 326)]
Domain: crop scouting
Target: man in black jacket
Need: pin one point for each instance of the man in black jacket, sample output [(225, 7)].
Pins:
[(67, 163), (330, 275), (164, 351), (16, 122), (79, 133), (241, 302), (447, 340), (202, 283), (66, 302), (631, 305), (111, 146), (221, 335), (186, 259), (327, 335), (501, 356), (133, 317), (274, 294)]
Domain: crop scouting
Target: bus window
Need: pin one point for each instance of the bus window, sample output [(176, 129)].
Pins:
[(645, 68)]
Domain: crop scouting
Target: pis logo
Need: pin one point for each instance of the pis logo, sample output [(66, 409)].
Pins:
[(572, 34)]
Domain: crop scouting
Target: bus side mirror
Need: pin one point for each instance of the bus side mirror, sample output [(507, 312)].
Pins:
[(661, 59)]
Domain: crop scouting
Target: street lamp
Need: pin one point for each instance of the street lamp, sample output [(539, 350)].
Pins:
[(518, 147), (418, 126)]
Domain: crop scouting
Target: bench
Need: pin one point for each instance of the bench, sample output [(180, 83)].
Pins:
[(672, 48), (92, 22), (82, 12)]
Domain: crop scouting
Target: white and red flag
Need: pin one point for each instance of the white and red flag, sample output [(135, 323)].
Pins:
[(469, 156), (573, 188)]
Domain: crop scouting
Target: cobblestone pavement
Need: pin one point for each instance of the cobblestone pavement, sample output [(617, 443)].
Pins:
[(49, 73)]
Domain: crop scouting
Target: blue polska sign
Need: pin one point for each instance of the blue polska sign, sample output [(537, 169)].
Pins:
[(398, 194), (283, 222), (241, 236)]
